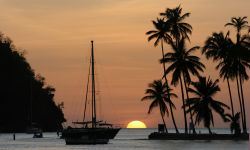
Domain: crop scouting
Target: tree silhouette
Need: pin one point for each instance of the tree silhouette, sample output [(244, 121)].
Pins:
[(160, 95), (234, 125), (203, 102), (175, 20), (239, 23), (161, 35), (218, 48), (241, 54), (182, 63), (178, 29), (17, 81)]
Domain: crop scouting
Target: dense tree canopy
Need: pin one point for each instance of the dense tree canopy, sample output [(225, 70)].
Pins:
[(24, 97)]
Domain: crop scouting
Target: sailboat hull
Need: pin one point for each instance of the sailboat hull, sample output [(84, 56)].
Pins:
[(84, 141), (74, 136)]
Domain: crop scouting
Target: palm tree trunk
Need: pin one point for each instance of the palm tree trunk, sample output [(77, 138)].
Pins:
[(230, 95), (164, 69), (184, 110), (243, 106), (241, 111), (209, 130), (172, 115), (191, 116), (162, 117)]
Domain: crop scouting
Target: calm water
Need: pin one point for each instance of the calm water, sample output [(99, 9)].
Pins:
[(127, 139)]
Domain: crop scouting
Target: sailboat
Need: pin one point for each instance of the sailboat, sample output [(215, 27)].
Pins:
[(94, 131)]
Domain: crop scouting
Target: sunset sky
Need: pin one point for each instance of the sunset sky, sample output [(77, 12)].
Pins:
[(56, 36)]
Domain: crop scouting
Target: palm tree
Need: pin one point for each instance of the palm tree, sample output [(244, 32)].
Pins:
[(182, 63), (234, 125), (229, 67), (240, 23), (178, 28), (241, 62), (161, 35), (217, 47), (161, 32), (160, 96), (203, 103)]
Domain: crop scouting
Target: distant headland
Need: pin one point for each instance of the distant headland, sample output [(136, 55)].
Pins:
[(25, 99)]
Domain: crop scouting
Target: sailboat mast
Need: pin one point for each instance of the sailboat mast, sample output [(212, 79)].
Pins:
[(93, 86)]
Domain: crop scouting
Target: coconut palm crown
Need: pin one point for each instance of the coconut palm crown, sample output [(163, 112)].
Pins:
[(160, 32), (218, 47), (203, 103), (182, 62), (239, 23), (174, 18), (234, 123), (160, 96)]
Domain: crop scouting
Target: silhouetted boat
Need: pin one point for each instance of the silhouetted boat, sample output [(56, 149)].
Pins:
[(38, 134), (99, 132), (35, 130)]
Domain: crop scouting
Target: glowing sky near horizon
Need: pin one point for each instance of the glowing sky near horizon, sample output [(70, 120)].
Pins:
[(56, 35)]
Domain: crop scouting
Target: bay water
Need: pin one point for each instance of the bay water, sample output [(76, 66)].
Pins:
[(126, 139)]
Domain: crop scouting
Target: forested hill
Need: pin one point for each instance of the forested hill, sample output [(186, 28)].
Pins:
[(24, 97)]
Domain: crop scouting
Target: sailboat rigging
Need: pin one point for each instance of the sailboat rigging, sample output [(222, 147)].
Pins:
[(100, 132)]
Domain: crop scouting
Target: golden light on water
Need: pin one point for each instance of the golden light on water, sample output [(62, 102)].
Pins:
[(136, 124)]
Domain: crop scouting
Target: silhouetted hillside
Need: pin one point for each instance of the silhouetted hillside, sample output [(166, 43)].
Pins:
[(24, 97)]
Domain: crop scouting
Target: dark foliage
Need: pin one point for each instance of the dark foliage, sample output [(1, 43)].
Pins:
[(234, 123), (24, 97), (203, 103)]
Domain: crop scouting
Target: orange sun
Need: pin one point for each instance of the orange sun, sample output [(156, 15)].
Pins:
[(136, 124)]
